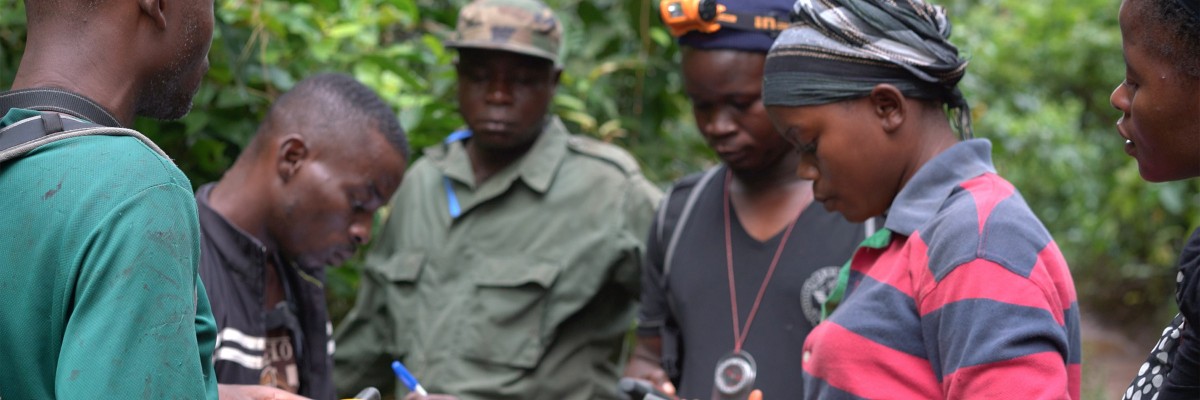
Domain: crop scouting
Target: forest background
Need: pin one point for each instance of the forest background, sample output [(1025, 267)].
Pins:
[(1039, 79)]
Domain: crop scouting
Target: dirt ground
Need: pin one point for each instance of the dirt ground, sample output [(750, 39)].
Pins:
[(1111, 358)]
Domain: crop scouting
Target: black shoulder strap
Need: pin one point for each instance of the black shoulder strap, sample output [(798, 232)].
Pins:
[(59, 101), (682, 213), (35, 128), (83, 118), (673, 215)]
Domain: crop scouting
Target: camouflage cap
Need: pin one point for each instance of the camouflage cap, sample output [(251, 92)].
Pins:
[(526, 27)]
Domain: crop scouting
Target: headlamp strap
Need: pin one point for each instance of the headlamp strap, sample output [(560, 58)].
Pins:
[(770, 24)]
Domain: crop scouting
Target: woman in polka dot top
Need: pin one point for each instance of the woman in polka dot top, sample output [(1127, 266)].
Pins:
[(1160, 103)]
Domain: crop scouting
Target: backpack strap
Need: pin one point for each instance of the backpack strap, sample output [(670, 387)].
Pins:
[(59, 101), (672, 218), (18, 139), (681, 221), (83, 118)]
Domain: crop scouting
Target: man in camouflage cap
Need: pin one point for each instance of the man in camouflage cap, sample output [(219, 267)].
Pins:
[(509, 264)]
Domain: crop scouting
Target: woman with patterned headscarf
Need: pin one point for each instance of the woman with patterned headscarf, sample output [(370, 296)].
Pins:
[(963, 293), (1160, 122)]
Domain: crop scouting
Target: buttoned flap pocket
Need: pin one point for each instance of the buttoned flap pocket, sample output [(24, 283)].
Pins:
[(403, 268), (507, 314), (399, 273)]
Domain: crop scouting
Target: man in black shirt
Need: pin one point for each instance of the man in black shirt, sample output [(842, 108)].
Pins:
[(739, 259), (300, 197)]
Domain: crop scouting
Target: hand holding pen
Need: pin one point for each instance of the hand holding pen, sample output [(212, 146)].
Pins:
[(415, 390)]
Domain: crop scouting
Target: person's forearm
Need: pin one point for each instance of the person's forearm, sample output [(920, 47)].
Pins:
[(255, 392), (646, 363)]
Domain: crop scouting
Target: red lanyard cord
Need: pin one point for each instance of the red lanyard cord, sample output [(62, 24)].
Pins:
[(739, 335)]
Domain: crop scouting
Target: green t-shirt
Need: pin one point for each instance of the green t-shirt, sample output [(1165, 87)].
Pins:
[(99, 292)]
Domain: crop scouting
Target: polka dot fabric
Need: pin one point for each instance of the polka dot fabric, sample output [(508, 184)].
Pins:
[(1154, 371), (1171, 369)]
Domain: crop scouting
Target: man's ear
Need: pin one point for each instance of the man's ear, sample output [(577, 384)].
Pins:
[(293, 153), (154, 10), (889, 106)]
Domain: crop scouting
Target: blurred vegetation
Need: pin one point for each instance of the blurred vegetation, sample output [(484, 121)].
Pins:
[(1040, 78), (1039, 81)]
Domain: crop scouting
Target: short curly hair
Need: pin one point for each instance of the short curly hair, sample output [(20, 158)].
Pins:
[(328, 105), (1177, 32)]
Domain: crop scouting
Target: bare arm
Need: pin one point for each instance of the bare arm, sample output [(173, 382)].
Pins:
[(254, 392)]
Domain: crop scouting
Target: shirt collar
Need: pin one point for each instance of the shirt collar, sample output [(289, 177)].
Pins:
[(536, 168), (929, 188), (236, 248)]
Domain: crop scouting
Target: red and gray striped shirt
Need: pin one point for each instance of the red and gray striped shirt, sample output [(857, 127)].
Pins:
[(969, 298)]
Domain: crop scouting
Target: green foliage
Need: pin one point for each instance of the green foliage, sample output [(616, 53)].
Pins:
[(12, 38), (617, 84), (1039, 79)]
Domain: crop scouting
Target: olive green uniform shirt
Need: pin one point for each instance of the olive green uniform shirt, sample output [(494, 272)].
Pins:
[(526, 295)]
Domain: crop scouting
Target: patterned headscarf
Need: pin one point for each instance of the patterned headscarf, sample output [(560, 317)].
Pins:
[(839, 50)]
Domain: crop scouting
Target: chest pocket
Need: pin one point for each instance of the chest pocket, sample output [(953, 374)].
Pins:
[(506, 321), (401, 272)]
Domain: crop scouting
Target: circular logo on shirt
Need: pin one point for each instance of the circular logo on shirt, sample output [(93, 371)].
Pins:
[(816, 290)]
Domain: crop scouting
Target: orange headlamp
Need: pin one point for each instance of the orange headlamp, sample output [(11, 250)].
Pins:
[(708, 16), (684, 16)]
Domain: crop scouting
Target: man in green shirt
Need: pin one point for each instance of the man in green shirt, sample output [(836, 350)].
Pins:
[(99, 242), (508, 266)]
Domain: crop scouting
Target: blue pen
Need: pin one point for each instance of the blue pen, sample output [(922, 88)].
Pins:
[(409, 380)]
